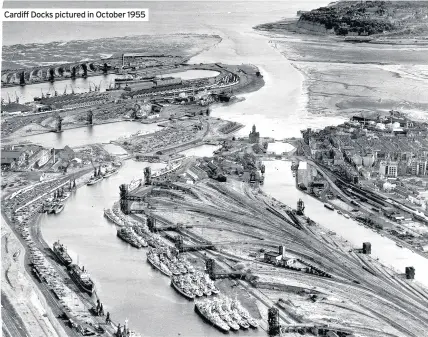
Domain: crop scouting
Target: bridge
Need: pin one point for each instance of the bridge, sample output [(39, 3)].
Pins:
[(50, 73)]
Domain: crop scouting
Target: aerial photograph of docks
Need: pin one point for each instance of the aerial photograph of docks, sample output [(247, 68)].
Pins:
[(243, 168)]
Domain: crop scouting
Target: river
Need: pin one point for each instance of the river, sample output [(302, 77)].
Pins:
[(127, 285), (280, 184), (101, 133)]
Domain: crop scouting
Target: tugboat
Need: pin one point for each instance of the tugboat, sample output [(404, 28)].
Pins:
[(81, 278), (61, 252)]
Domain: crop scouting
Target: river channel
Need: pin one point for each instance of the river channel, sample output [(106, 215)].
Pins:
[(280, 184), (101, 133), (127, 285)]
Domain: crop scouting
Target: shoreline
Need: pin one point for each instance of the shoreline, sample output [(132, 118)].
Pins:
[(289, 26), (339, 85)]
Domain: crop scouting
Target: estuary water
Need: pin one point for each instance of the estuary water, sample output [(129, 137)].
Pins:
[(127, 285)]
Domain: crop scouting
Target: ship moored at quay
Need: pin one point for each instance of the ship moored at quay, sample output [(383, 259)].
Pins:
[(61, 252), (81, 278), (225, 314), (128, 235)]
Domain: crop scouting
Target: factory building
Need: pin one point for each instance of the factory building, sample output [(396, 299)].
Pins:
[(388, 169), (130, 59), (279, 257)]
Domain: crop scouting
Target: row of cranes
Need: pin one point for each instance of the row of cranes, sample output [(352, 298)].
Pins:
[(93, 87)]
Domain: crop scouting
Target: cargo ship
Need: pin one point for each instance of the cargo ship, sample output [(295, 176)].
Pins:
[(331, 208), (61, 253), (81, 278), (96, 177), (124, 79), (166, 170)]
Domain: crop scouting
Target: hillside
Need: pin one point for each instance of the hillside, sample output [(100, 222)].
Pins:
[(374, 19)]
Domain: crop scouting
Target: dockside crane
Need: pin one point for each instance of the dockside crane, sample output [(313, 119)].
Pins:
[(22, 79), (126, 198), (90, 117)]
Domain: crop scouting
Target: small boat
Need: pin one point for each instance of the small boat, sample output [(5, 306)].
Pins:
[(49, 208), (110, 172), (346, 216), (93, 180), (58, 208), (328, 206), (399, 245), (339, 212)]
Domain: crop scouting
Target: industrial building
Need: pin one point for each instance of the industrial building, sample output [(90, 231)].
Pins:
[(279, 257)]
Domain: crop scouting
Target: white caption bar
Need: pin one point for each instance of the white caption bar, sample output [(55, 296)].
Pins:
[(76, 14)]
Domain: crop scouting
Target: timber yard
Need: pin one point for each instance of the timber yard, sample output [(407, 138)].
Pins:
[(249, 262)]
